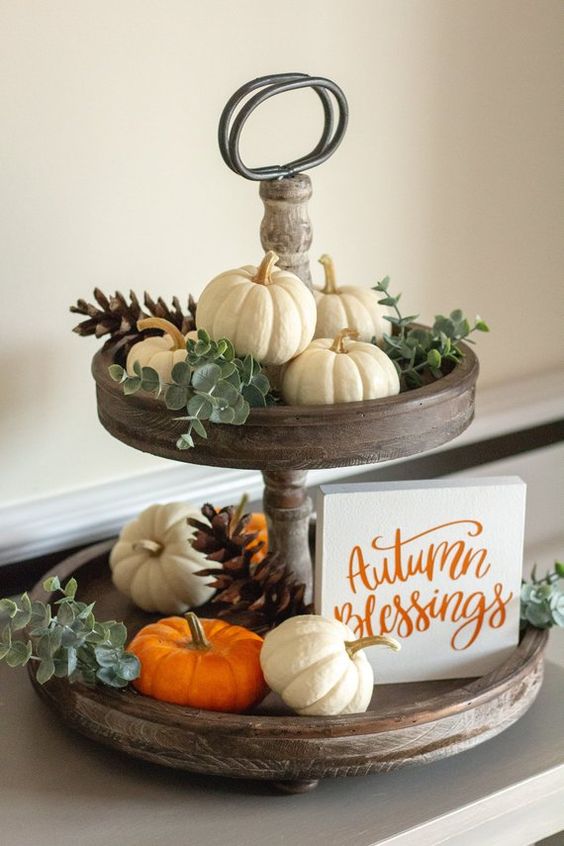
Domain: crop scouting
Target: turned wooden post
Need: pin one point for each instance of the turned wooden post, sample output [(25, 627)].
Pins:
[(288, 510), (286, 227)]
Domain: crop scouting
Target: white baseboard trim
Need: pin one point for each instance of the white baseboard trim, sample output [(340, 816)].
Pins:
[(38, 526)]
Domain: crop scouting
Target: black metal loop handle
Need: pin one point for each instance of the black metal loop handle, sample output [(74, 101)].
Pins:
[(231, 124)]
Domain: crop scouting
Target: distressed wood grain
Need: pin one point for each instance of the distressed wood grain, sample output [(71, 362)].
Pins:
[(284, 437), (286, 227)]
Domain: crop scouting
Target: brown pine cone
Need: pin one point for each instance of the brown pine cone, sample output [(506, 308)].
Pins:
[(257, 595), (116, 317)]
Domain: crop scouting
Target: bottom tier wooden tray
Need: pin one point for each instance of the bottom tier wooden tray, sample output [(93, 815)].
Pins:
[(405, 724)]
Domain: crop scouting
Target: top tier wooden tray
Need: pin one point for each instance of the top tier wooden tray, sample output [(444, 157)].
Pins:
[(298, 437)]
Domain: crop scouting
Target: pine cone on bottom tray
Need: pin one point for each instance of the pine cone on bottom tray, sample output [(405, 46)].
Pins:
[(260, 595)]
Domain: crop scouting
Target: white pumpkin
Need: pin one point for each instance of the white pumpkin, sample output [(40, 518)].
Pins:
[(265, 312), (334, 371), (154, 563), (161, 352), (316, 665), (348, 305)]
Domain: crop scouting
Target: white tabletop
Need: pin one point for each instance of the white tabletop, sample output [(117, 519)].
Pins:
[(509, 790)]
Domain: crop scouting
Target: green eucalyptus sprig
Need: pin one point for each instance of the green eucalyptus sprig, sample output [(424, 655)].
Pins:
[(69, 644), (542, 600), (416, 351), (211, 384)]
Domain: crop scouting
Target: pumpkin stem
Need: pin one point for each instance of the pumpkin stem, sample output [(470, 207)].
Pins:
[(237, 514), (147, 545), (338, 346), (265, 268), (353, 646), (178, 339), (199, 639), (330, 277)]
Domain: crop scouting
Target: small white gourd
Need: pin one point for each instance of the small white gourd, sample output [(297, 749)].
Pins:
[(316, 665), (161, 352), (265, 312), (331, 371), (348, 305), (154, 563)]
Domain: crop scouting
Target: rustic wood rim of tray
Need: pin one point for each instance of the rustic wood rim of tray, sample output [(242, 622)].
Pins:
[(298, 437), (460, 379), (475, 693)]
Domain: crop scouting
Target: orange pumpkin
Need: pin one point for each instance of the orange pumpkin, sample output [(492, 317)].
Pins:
[(200, 663), (257, 524)]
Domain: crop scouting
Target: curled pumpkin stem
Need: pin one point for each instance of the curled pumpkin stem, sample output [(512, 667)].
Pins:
[(199, 639), (265, 268), (338, 345), (353, 646), (330, 277), (178, 340)]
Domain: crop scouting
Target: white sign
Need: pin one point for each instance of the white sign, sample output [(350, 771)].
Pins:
[(435, 564)]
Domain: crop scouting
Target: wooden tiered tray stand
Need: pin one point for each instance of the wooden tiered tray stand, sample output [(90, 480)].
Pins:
[(405, 724)]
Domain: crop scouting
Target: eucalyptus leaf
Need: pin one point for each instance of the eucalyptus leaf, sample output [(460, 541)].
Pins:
[(206, 376), (261, 382), (51, 584), (241, 412), (200, 406), (23, 613), (19, 653), (9, 607), (45, 670), (202, 347), (229, 353), (117, 373), (128, 666), (199, 428), (71, 588), (226, 391), (222, 415), (118, 634), (229, 368), (40, 614), (131, 385), (43, 647), (253, 396), (150, 380), (434, 359), (181, 373), (65, 614), (176, 397)]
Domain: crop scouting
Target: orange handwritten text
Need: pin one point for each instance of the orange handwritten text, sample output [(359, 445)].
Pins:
[(425, 555), (455, 558), (471, 611)]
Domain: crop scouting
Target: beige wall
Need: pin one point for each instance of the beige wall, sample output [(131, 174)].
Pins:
[(448, 179)]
